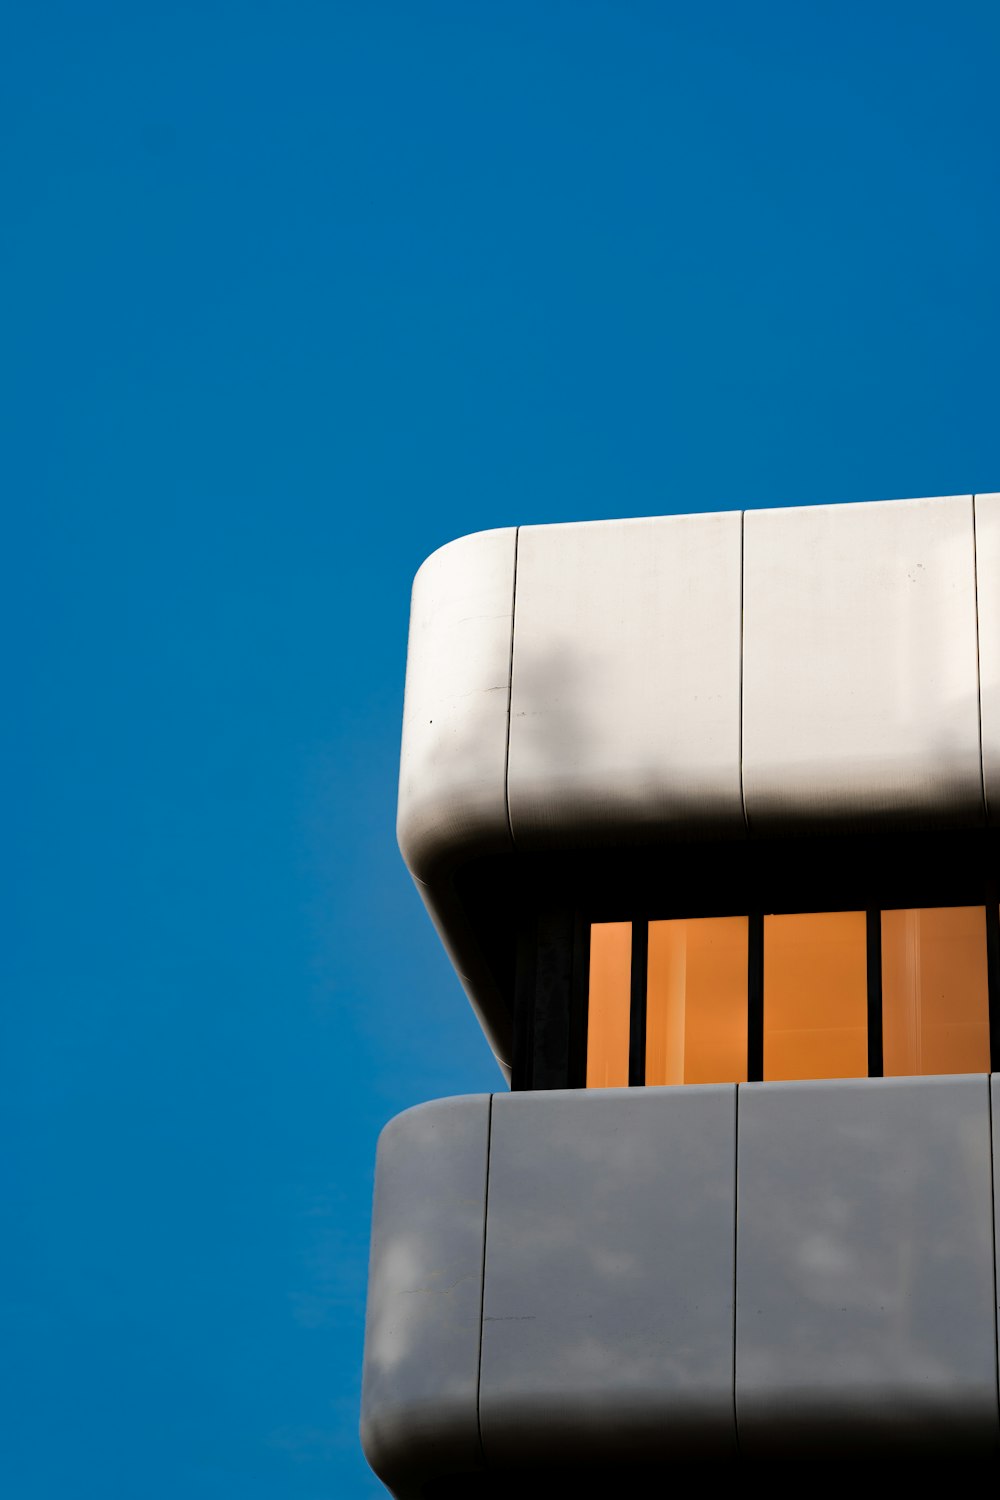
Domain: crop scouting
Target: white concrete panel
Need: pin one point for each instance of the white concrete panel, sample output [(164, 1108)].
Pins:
[(626, 680), (864, 1268), (608, 1292), (860, 679), (420, 1383), (988, 594), (452, 801)]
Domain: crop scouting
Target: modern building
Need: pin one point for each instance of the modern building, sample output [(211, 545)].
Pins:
[(706, 811)]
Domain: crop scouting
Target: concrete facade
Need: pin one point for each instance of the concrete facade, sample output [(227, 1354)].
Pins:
[(694, 1273), (785, 723)]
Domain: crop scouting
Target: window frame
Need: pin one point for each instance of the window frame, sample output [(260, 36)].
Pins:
[(544, 975), (552, 1001)]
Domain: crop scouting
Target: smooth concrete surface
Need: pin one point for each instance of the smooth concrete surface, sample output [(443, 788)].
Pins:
[(846, 1228), (860, 675), (625, 695), (452, 798), (865, 1268), (849, 632), (988, 598), (608, 1299), (421, 1371)]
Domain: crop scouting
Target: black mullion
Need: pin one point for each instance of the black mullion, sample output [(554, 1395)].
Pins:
[(993, 971), (524, 1006), (580, 1003), (873, 932), (637, 1008), (550, 1053), (755, 997)]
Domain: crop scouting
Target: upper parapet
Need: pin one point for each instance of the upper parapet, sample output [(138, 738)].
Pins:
[(638, 682)]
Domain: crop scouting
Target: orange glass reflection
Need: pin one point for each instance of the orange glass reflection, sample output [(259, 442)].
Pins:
[(696, 1001), (609, 1004), (815, 995), (935, 999)]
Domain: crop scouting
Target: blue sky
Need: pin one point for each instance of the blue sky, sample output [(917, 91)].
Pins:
[(291, 295)]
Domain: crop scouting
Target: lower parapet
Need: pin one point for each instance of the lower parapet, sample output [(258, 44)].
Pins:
[(620, 1280)]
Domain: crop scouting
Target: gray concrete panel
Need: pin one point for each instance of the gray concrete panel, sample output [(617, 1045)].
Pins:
[(625, 692), (421, 1369), (864, 1268), (608, 1297), (860, 670)]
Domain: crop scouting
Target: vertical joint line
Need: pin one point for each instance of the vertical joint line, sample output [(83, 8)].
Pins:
[(873, 949), (743, 795), (993, 1214), (979, 676), (482, 1282), (510, 691), (736, 1224)]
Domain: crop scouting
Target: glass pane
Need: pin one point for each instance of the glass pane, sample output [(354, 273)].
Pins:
[(935, 1001), (696, 1001), (815, 995), (609, 1004)]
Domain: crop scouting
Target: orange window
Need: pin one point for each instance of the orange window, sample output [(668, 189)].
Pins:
[(608, 1004), (935, 1001), (696, 1001), (815, 995)]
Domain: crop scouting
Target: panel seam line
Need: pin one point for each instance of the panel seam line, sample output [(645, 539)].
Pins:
[(993, 1222), (979, 673), (736, 1220), (743, 796), (510, 691), (482, 1284)]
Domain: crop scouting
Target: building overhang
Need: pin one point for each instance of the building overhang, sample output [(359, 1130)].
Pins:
[(579, 697)]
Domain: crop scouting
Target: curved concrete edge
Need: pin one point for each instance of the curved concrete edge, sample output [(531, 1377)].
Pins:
[(453, 757), (462, 947), (420, 1382)]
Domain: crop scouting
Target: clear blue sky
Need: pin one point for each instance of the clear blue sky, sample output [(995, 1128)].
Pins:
[(291, 295)]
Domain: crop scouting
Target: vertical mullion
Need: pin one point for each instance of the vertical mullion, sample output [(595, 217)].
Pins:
[(580, 1003), (873, 929), (755, 997), (551, 1029), (637, 1009), (524, 1005)]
